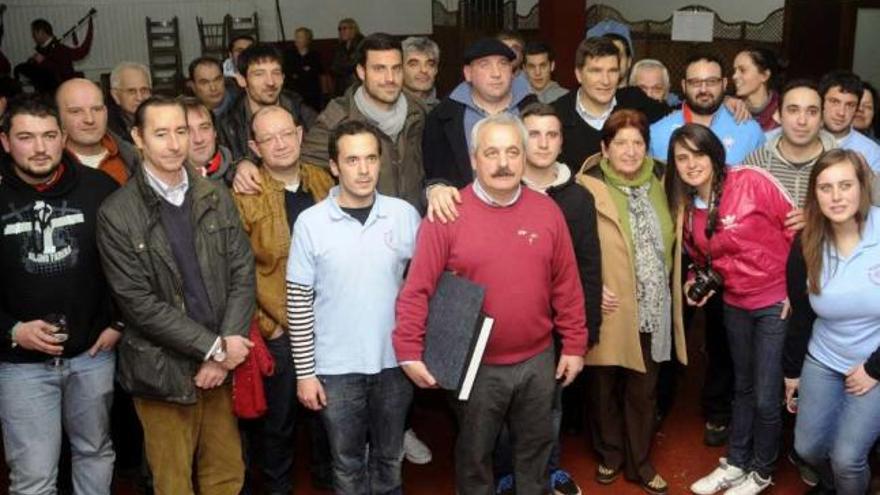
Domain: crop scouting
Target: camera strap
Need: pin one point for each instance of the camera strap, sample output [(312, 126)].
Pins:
[(690, 233)]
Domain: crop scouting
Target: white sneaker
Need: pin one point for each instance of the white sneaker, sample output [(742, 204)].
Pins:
[(753, 484), (414, 449), (721, 478)]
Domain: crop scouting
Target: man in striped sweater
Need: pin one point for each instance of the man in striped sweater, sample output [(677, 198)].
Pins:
[(346, 266), (789, 155)]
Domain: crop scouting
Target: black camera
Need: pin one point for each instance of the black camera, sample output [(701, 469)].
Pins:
[(705, 281)]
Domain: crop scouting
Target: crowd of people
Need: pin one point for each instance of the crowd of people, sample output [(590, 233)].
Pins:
[(262, 252)]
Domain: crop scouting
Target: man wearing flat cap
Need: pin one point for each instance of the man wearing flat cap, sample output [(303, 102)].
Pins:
[(489, 88)]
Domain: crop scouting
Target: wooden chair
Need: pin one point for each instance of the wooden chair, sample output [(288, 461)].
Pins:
[(242, 26), (166, 61), (213, 38)]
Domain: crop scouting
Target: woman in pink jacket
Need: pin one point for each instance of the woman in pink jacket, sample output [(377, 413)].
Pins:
[(731, 222)]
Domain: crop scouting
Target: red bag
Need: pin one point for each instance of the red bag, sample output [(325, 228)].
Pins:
[(248, 395)]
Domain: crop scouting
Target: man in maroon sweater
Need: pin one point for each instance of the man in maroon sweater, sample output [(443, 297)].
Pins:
[(515, 243)]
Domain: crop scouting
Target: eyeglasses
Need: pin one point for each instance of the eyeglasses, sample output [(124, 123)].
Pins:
[(282, 137), (344, 28), (709, 81)]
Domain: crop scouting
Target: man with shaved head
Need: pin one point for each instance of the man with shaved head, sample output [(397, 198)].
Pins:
[(84, 118), (289, 187)]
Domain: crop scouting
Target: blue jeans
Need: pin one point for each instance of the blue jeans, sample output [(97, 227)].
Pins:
[(37, 399), (756, 339), (835, 426), (364, 409)]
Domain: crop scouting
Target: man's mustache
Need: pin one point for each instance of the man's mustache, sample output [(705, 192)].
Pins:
[(503, 172)]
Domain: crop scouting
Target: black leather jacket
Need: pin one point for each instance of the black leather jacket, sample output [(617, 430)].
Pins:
[(234, 126)]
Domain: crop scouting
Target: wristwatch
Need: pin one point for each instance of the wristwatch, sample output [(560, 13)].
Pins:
[(220, 354)]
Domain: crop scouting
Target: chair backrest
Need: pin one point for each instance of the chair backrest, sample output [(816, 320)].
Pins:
[(212, 38), (242, 26), (166, 61)]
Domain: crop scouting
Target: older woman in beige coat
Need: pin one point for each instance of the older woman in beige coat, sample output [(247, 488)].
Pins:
[(637, 334)]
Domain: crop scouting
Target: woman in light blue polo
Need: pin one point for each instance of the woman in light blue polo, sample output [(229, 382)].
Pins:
[(836, 264)]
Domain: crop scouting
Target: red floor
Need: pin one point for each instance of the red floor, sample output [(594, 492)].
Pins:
[(679, 454)]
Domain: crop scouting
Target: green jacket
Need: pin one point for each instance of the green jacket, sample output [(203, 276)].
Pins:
[(162, 349), (401, 171)]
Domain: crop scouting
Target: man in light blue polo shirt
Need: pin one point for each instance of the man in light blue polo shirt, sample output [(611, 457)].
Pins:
[(703, 87), (841, 92), (345, 268)]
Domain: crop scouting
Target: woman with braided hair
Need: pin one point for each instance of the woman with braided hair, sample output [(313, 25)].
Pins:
[(731, 222)]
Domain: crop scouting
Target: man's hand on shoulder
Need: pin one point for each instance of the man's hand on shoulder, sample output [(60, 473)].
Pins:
[(247, 178), (441, 203)]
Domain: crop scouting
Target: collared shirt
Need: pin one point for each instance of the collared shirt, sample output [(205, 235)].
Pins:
[(356, 271), (485, 197), (739, 139), (594, 121), (857, 141), (229, 69), (176, 195), (173, 194), (848, 308)]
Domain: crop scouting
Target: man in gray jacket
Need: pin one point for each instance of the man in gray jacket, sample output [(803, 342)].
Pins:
[(181, 270)]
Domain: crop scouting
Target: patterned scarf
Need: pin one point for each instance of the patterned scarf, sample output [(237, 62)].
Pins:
[(652, 285)]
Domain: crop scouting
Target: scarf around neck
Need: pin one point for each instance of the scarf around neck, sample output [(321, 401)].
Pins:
[(389, 122), (653, 296)]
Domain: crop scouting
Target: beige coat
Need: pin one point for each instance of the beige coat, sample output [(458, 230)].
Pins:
[(619, 344)]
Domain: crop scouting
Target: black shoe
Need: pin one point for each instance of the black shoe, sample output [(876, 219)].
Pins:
[(820, 490), (808, 475), (562, 483), (715, 435)]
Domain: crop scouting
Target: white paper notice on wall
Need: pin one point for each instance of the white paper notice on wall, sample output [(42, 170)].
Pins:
[(692, 26)]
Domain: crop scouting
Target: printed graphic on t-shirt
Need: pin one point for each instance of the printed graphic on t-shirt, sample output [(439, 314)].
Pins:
[(874, 274), (44, 235)]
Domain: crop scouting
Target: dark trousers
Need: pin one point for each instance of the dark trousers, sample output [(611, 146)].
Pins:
[(717, 394), (504, 450), (269, 440), (622, 416), (364, 409), (518, 395), (42, 79), (757, 338)]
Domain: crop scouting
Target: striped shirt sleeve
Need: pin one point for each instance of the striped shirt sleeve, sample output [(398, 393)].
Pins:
[(301, 321)]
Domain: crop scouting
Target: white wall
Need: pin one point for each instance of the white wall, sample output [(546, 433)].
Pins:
[(867, 41), (523, 7), (728, 10), (120, 32)]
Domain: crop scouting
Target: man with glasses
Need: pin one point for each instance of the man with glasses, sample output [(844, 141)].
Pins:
[(130, 84), (343, 64), (268, 219), (703, 88)]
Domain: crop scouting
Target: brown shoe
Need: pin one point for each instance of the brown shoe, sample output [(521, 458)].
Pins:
[(657, 485)]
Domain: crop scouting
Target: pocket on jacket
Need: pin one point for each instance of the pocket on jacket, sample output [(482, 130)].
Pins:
[(146, 370)]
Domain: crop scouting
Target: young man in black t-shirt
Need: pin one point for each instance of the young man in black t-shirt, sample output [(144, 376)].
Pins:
[(57, 329)]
